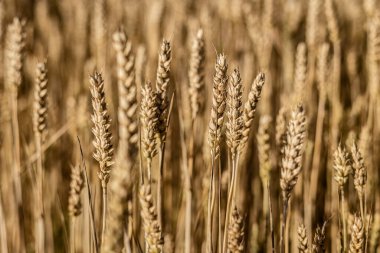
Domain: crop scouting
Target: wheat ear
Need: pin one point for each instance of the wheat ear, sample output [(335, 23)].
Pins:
[(128, 108), (236, 232), (149, 120), (360, 177), (102, 140), (357, 235), (250, 105), (196, 73), (319, 239), (152, 229), (302, 239)]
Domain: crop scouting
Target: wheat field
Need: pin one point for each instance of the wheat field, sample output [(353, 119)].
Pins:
[(165, 126)]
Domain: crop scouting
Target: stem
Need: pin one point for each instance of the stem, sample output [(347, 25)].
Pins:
[(270, 217), (210, 206), (229, 201), (104, 214), (343, 218), (40, 231), (72, 235), (188, 214), (17, 166), (160, 185), (283, 224)]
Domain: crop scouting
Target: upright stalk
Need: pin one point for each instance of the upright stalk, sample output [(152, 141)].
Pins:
[(343, 217), (283, 224), (104, 214)]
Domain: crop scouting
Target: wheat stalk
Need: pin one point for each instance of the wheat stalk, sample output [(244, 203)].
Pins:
[(214, 135), (291, 161), (342, 168), (102, 139), (74, 202), (40, 128)]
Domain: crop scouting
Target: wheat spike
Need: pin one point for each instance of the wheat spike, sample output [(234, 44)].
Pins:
[(196, 73), (162, 82), (302, 239), (359, 169), (101, 129), (250, 105), (300, 72), (281, 127), (357, 235), (14, 53), (263, 148), (293, 150), (76, 186), (332, 23), (236, 233), (341, 165), (319, 240), (128, 107), (40, 101), (234, 123), (218, 104), (153, 234), (149, 120)]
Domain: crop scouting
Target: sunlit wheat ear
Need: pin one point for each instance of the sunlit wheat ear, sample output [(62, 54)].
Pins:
[(128, 107), (218, 104), (162, 82), (293, 150), (234, 122), (236, 232), (357, 235), (250, 105), (332, 23), (149, 121), (359, 170), (319, 239), (76, 186), (152, 230), (196, 73), (101, 129), (14, 53), (263, 148), (40, 101), (300, 72), (281, 127), (342, 166), (302, 239)]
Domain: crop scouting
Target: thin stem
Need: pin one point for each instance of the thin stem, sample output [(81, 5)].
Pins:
[(271, 217), (160, 185), (17, 166), (188, 189), (40, 231), (104, 215), (210, 206), (283, 224), (72, 235), (343, 217), (231, 192)]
